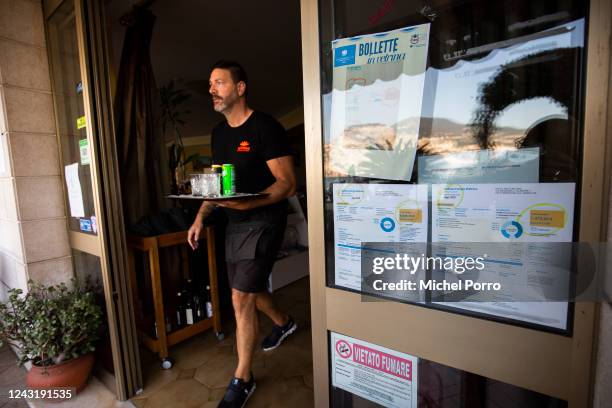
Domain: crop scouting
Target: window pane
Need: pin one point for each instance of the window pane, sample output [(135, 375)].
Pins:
[(498, 100), (70, 113)]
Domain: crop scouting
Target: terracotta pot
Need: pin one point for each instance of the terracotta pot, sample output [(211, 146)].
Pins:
[(73, 373)]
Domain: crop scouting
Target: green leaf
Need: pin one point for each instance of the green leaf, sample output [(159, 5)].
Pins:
[(51, 323)]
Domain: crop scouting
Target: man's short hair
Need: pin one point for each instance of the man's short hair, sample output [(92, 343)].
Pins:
[(236, 71)]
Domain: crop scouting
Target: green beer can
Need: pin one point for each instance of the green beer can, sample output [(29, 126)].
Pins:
[(228, 179)]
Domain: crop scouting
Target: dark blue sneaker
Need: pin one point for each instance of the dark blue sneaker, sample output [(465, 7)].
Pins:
[(237, 393), (278, 335)]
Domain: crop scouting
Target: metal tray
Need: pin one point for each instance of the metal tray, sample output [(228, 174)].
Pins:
[(237, 196)]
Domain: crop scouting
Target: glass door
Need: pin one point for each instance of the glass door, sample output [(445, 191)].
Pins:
[(78, 121), (449, 144)]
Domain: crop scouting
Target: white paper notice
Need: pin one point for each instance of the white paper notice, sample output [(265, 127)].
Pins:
[(376, 373), (75, 193), (515, 214), (378, 82), (531, 212), (481, 166), (374, 213)]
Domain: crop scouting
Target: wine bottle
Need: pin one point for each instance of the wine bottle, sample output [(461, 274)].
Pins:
[(188, 287), (209, 308), (168, 324), (180, 314), (198, 307), (188, 310)]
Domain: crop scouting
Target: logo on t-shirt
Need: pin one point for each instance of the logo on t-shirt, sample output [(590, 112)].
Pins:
[(244, 147)]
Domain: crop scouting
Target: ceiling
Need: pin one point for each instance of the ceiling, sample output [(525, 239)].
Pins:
[(190, 35)]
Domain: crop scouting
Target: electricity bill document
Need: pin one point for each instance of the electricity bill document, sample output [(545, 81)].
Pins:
[(374, 213), (522, 218)]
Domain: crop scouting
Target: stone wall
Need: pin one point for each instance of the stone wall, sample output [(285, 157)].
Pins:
[(33, 232)]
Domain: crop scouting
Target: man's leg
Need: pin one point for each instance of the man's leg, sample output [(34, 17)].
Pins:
[(266, 304), (284, 325), (247, 327)]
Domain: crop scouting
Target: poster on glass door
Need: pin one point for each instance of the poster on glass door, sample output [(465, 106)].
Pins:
[(378, 82), (378, 374), (390, 213), (523, 219)]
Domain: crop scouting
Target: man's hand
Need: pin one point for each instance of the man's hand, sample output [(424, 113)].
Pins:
[(193, 235)]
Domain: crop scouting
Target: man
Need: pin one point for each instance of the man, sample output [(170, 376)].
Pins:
[(256, 144)]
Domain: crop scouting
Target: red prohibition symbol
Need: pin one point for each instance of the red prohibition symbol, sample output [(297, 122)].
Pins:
[(343, 349)]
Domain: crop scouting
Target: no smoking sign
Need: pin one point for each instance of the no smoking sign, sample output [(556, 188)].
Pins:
[(343, 349)]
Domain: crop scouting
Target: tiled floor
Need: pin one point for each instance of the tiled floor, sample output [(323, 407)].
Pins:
[(203, 366), (95, 395), (11, 377)]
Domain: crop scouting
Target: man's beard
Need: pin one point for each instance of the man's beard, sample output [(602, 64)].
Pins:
[(225, 103)]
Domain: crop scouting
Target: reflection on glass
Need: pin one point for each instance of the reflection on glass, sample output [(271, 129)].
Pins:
[(88, 270), (504, 98), (70, 112), (501, 102)]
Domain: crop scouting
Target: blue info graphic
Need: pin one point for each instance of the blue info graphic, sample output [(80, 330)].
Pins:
[(387, 224), (512, 229)]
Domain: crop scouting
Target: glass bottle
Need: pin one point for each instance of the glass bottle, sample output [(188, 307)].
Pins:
[(188, 310), (188, 288), (168, 324), (209, 308), (180, 312), (198, 307)]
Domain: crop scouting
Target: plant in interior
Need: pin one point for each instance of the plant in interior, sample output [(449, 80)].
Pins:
[(52, 326), (171, 119)]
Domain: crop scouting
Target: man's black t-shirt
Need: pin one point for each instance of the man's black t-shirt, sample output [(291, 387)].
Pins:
[(248, 147)]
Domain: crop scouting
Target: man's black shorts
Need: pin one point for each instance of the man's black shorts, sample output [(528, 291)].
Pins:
[(250, 250)]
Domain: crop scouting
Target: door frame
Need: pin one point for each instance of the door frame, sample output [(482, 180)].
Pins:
[(548, 363), (110, 243)]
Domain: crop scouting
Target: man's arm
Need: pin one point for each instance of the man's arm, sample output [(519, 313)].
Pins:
[(284, 186), (205, 209), (193, 235)]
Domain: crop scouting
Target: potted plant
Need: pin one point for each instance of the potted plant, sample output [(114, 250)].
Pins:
[(54, 327), (171, 119)]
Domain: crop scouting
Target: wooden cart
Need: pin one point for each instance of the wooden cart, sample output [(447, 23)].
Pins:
[(151, 246)]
